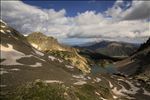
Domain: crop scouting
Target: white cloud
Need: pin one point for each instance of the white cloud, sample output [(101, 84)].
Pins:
[(91, 25), (112, 29), (27, 19), (115, 10), (137, 10)]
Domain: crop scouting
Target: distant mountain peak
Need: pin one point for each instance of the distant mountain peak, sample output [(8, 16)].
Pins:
[(113, 48)]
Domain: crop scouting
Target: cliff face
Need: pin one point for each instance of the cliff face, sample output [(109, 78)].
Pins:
[(44, 43), (50, 45)]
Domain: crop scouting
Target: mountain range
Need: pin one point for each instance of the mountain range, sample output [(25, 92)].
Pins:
[(112, 48), (38, 67)]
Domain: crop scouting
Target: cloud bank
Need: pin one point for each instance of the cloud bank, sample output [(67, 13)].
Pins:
[(121, 21)]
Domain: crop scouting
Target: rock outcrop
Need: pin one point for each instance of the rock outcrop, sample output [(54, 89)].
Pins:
[(52, 46)]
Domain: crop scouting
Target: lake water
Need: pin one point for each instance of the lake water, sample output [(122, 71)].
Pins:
[(107, 69)]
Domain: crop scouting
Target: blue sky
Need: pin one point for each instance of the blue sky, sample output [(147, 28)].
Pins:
[(74, 7), (79, 22)]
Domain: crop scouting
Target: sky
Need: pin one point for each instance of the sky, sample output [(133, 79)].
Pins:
[(73, 7), (79, 22)]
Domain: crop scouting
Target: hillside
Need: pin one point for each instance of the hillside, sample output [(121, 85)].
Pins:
[(29, 74), (137, 65), (20, 62)]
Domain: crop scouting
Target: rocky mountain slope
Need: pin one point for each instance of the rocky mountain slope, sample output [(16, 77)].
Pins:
[(20, 62), (44, 43), (138, 64), (113, 48), (51, 46), (29, 74), (144, 45)]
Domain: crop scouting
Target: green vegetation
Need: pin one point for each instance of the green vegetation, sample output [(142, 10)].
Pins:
[(61, 54), (37, 37), (39, 91), (88, 92), (73, 59)]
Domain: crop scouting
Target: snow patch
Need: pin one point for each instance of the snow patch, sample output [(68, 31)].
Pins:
[(10, 55), (68, 66), (146, 92), (3, 72), (89, 78), (3, 26), (52, 58), (2, 31), (97, 93), (8, 31), (117, 92), (97, 79), (34, 45), (60, 60), (38, 52), (138, 84), (39, 58), (123, 90), (80, 82), (103, 98), (14, 69), (120, 79), (115, 97), (36, 65), (65, 93), (25, 35), (52, 81), (110, 84), (60, 49), (133, 89), (78, 76)]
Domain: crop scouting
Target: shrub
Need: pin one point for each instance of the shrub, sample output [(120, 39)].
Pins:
[(39, 91)]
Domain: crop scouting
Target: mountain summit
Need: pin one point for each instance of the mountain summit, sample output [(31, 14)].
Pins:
[(46, 43), (51, 46)]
